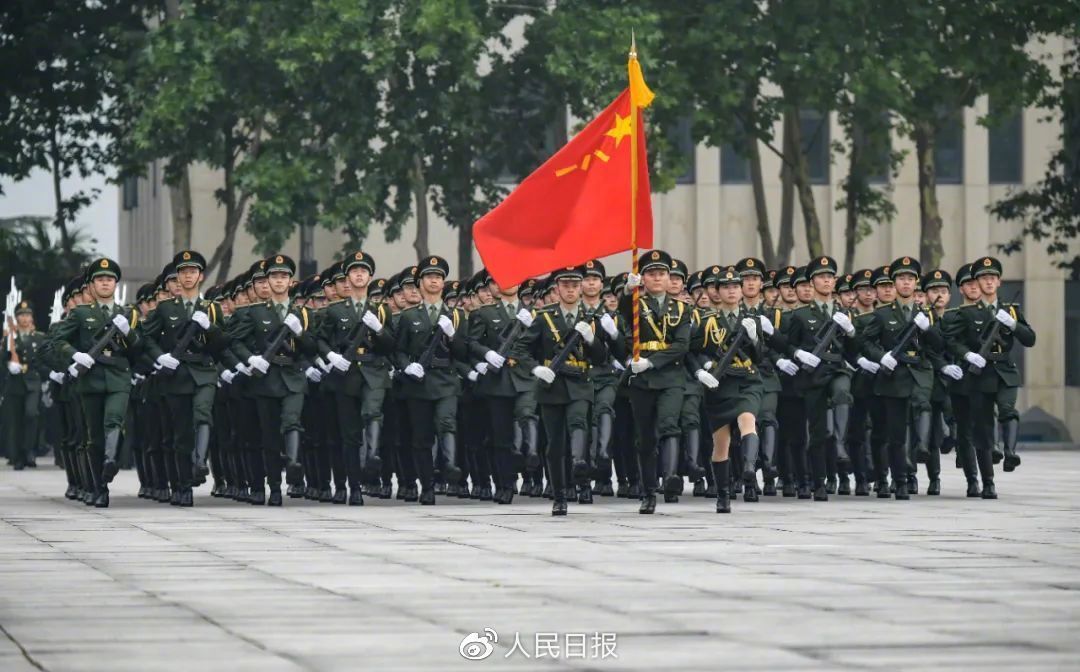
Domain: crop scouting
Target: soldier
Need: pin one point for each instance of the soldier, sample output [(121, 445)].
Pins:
[(260, 337), (560, 346), (936, 284), (824, 380), (754, 281), (790, 411), (27, 368), (983, 335), (959, 390), (862, 382), (356, 327), (690, 412), (658, 380), (501, 383), (428, 342), (184, 337), (733, 393), (901, 337), (99, 339)]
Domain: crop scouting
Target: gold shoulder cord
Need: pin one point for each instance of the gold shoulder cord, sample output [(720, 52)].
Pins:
[(551, 325), (661, 334)]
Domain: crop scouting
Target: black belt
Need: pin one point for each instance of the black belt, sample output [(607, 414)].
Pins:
[(193, 358), (437, 363)]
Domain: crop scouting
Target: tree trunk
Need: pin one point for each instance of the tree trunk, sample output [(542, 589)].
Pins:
[(930, 248), (420, 244), (851, 205), (222, 257), (800, 177), (180, 204), (761, 209), (787, 197)]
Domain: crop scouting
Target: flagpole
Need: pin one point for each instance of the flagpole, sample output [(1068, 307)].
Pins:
[(636, 311)]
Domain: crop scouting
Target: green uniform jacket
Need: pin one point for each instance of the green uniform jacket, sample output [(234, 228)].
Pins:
[(711, 340), (251, 330), (337, 326), (665, 340), (31, 351), (772, 347), (882, 333), (545, 339), (965, 332), (166, 324), (414, 331), (862, 381), (806, 326), (80, 331), (488, 326)]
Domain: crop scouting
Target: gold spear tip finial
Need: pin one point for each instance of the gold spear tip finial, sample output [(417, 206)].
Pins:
[(633, 44)]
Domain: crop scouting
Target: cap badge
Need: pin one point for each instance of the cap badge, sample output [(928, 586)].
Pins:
[(187, 256), (987, 262), (104, 263), (279, 259)]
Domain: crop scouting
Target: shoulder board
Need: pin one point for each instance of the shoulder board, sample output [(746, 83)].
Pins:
[(334, 302)]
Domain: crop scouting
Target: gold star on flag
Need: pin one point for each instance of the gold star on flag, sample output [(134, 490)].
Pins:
[(620, 130)]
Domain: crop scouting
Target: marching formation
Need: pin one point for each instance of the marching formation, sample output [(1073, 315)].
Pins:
[(789, 382)]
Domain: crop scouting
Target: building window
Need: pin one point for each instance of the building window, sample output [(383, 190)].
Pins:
[(1072, 332), (814, 128), (683, 139), (1007, 149), (949, 149), (130, 192), (1009, 290), (734, 164)]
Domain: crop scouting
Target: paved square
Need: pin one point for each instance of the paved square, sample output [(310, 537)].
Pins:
[(857, 583)]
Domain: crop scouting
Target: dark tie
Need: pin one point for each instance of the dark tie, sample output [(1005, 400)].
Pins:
[(280, 310), (906, 310), (510, 312), (433, 313)]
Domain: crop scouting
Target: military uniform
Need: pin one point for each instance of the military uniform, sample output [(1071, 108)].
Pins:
[(22, 391)]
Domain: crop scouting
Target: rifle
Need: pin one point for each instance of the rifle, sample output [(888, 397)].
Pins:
[(572, 342), (990, 337), (724, 362), (100, 345), (272, 348), (826, 340), (429, 352), (508, 340), (905, 338), (191, 330)]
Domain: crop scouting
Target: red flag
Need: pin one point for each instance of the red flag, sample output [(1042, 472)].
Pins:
[(573, 208)]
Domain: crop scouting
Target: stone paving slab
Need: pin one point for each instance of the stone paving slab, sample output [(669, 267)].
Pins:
[(856, 583)]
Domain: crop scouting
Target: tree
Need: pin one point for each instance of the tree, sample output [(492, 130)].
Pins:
[(61, 110)]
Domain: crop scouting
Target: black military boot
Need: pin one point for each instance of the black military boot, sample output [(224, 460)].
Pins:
[(603, 436), (427, 495), (821, 494), (830, 485), (558, 507), (294, 470), (372, 462), (692, 451), (341, 496), (532, 445), (258, 496), (840, 424), (722, 476), (913, 484), (199, 470), (861, 488), (1010, 430), (101, 499), (989, 491), (356, 498), (517, 457), (699, 488), (996, 452), (882, 489), (750, 446), (934, 488), (973, 488), (922, 436), (648, 501), (584, 494), (843, 486), (111, 467), (187, 498), (275, 498), (901, 490), (174, 497), (669, 464), (580, 471)]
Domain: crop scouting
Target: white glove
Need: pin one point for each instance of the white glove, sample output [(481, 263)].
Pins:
[(766, 325), (313, 374), (157, 367), (481, 368), (122, 324), (168, 361), (495, 359), (525, 317), (618, 365), (921, 321), (976, 360), (415, 370), (544, 373), (14, 368), (372, 321), (953, 371), (867, 365), (639, 365), (808, 358), (473, 376), (322, 364), (337, 361), (83, 359), (73, 372), (787, 366), (707, 379), (888, 361), (633, 280), (750, 325), (585, 330), (259, 362), (139, 377), (293, 323), (57, 377), (844, 322), (709, 365), (202, 319), (447, 326), (1005, 318), (228, 376), (243, 368), (608, 325)]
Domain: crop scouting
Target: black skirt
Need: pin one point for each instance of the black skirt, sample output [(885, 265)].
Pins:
[(735, 396)]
